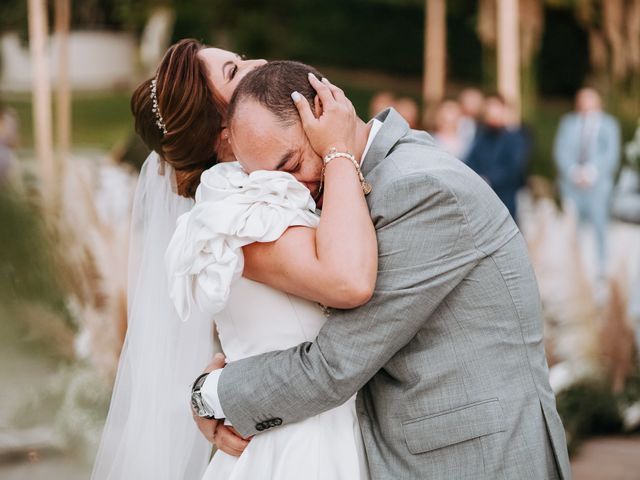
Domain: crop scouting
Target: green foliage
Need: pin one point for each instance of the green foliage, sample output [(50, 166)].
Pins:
[(13, 15), (544, 120), (631, 393), (33, 296), (335, 32), (27, 268), (564, 56), (588, 408), (464, 50), (100, 120), (383, 35)]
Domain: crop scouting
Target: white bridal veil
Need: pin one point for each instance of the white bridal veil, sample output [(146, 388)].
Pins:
[(149, 433)]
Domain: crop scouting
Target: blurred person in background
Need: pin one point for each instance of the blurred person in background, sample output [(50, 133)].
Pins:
[(408, 108), (587, 153), (9, 136), (381, 101), (471, 101), (499, 153), (446, 132)]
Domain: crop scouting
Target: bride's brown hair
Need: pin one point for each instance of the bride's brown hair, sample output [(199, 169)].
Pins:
[(193, 115)]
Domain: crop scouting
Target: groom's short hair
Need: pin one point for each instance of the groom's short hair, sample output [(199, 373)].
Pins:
[(271, 86)]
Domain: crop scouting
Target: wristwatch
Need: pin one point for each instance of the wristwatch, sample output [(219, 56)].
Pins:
[(200, 407)]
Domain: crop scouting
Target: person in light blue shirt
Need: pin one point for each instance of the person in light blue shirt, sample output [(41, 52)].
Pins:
[(587, 154)]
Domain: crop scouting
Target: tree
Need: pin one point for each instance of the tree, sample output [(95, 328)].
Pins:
[(435, 53), (41, 98), (614, 49)]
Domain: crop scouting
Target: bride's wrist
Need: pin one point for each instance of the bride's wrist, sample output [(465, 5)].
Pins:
[(337, 148), (343, 161), (334, 156)]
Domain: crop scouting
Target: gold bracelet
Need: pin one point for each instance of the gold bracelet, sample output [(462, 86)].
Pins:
[(333, 153)]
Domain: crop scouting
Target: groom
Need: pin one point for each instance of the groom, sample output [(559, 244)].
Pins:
[(447, 357)]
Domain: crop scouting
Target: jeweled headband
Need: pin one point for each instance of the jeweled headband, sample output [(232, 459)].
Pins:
[(156, 109)]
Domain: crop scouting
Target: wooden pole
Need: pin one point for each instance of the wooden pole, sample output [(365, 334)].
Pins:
[(509, 53), (41, 97), (435, 48), (63, 93)]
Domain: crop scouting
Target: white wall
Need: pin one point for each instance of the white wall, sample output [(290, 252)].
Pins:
[(97, 60)]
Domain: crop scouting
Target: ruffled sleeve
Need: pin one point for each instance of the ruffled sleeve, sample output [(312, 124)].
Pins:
[(232, 209)]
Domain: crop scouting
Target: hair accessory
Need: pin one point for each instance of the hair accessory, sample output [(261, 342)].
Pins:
[(155, 109)]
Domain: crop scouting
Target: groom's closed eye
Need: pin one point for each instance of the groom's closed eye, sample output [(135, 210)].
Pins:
[(289, 162)]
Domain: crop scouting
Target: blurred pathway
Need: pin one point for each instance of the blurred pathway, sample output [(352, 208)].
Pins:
[(608, 458), (28, 455)]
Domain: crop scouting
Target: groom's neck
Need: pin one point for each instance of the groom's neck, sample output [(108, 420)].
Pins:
[(362, 135)]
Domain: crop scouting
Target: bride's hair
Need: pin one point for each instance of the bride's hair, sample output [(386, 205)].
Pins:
[(193, 115)]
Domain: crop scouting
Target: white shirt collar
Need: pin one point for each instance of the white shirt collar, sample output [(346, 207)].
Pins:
[(375, 128)]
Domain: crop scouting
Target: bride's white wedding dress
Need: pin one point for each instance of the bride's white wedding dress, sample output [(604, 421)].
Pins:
[(205, 263)]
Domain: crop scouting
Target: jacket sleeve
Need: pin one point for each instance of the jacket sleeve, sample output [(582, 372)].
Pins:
[(611, 149), (425, 250), (562, 148)]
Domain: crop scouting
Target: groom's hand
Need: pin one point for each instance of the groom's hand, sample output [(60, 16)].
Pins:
[(224, 437)]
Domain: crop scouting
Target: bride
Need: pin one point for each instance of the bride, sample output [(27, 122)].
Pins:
[(242, 229)]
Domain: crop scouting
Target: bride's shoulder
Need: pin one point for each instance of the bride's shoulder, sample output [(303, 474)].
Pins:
[(228, 181), (226, 172)]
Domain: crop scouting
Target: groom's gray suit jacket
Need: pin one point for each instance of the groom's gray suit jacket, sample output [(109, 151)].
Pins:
[(447, 357)]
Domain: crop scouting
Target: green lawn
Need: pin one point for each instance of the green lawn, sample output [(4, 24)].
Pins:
[(99, 120)]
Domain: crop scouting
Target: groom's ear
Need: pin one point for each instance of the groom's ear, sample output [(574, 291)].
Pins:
[(317, 106)]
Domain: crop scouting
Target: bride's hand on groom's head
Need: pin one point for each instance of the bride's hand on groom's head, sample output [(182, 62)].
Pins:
[(335, 127)]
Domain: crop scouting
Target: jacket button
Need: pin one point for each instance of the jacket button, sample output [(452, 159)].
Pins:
[(259, 427), (277, 422)]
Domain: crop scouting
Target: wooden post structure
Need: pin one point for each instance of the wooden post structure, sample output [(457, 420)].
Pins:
[(509, 52), (41, 97), (63, 90), (435, 48)]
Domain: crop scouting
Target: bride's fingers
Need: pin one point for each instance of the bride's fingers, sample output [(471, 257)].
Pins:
[(207, 427), (337, 92), (304, 109), (217, 363), (324, 92), (229, 442)]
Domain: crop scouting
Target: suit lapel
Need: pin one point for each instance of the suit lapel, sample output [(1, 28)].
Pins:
[(393, 128)]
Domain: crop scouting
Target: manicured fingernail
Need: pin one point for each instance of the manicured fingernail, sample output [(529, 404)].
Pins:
[(295, 96), (325, 80), (310, 74)]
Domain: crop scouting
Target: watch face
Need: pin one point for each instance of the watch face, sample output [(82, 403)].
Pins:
[(199, 406)]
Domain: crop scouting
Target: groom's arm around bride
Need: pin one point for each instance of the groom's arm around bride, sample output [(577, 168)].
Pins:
[(447, 357)]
